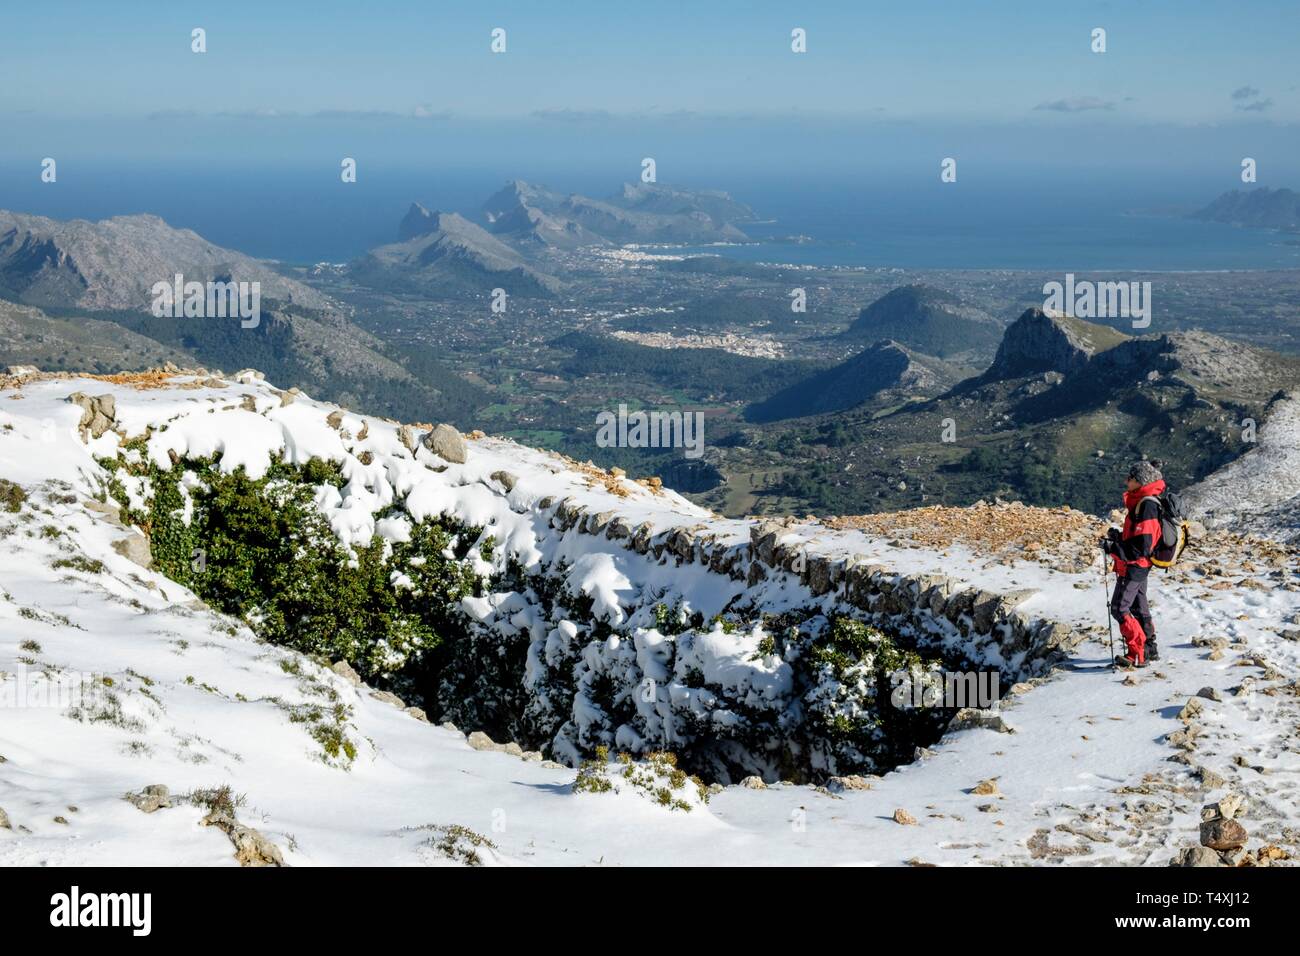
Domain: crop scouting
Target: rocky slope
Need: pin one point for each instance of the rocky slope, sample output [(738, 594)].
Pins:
[(1260, 208), (531, 216), (928, 320), (1260, 491), (111, 265), (1064, 408), (442, 253), (1037, 342), (886, 373)]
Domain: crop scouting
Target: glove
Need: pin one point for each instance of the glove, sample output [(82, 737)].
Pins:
[(1113, 534), (1109, 546)]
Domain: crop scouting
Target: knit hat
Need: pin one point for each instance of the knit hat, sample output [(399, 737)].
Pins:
[(1144, 472)]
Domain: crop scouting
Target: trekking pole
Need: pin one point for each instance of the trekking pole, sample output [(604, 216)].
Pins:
[(1105, 591)]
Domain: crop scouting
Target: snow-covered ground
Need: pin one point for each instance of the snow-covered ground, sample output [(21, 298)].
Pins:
[(172, 693), (1260, 491)]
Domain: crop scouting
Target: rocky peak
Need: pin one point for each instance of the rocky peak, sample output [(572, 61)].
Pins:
[(418, 221), (1048, 342)]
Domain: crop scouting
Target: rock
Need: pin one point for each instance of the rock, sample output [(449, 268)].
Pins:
[(1227, 808), (110, 512), (135, 548), (986, 788), (448, 725), (1221, 834), (4, 820), (22, 371), (903, 817), (1209, 693), (850, 782), (754, 783), (507, 480), (532, 756), (409, 436), (1196, 856), (97, 413), (512, 748), (1209, 779), (969, 717), (254, 849), (335, 419), (151, 798), (344, 670), (1191, 710), (552, 765), (481, 741), (388, 697), (447, 443), (251, 847), (418, 713)]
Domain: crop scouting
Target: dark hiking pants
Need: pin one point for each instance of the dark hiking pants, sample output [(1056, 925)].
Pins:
[(1130, 608)]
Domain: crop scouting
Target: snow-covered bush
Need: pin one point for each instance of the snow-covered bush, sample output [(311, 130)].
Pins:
[(554, 656)]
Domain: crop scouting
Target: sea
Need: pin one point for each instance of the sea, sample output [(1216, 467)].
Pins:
[(307, 215)]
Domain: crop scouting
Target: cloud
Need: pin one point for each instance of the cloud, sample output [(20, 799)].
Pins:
[(1258, 106), (426, 111), (1245, 93), (1076, 104), (573, 116), (423, 111)]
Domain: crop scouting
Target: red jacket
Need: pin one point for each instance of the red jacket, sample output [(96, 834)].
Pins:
[(1141, 528)]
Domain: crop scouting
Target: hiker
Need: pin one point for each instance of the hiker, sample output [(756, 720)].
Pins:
[(1131, 550)]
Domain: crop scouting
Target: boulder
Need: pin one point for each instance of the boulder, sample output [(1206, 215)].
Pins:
[(447, 443), (505, 479), (1196, 856), (98, 413), (344, 670), (151, 798), (1221, 834), (135, 548)]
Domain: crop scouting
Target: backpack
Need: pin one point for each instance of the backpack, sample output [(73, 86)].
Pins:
[(1174, 537)]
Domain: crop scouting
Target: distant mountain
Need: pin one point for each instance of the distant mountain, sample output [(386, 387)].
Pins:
[(528, 215), (111, 265), (1260, 208), (1039, 342), (885, 371), (673, 201), (1057, 418), (93, 280), (445, 254), (928, 320)]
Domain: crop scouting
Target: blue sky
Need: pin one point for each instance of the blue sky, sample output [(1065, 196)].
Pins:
[(711, 89), (1178, 61)]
